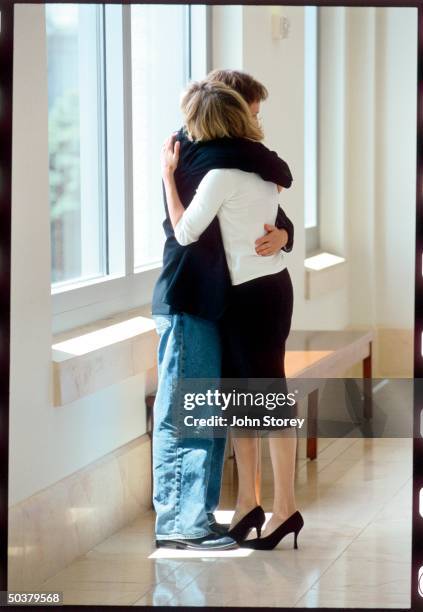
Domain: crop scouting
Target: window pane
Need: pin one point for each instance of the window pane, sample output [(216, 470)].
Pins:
[(310, 118), (159, 73), (75, 141)]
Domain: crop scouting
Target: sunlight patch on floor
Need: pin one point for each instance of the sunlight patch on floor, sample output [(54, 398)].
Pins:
[(170, 553)]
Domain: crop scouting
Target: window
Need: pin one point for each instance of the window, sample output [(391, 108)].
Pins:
[(160, 70), (76, 142), (115, 76), (311, 212)]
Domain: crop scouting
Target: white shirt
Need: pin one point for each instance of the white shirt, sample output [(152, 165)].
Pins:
[(243, 203)]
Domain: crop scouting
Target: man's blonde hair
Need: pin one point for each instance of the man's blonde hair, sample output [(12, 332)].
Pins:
[(214, 110)]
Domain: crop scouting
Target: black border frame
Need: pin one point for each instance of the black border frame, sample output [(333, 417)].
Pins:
[(6, 82)]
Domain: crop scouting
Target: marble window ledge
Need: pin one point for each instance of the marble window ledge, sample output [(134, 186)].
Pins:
[(92, 357), (324, 273)]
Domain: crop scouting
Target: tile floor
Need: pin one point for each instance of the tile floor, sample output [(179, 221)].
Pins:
[(354, 550)]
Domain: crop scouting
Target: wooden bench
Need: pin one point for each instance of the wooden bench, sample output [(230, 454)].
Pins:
[(328, 354)]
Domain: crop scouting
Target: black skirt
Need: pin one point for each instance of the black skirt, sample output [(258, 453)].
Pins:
[(255, 328)]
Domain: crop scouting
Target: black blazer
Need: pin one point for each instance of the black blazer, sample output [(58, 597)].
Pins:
[(195, 279)]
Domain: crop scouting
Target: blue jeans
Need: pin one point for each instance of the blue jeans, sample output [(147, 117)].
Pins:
[(187, 473)]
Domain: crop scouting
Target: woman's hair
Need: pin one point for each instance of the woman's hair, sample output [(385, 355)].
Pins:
[(214, 110), (250, 89)]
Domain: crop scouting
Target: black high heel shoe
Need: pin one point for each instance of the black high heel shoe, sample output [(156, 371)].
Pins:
[(254, 518), (292, 524)]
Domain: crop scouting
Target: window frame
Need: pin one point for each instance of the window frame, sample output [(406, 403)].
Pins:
[(83, 301), (312, 234)]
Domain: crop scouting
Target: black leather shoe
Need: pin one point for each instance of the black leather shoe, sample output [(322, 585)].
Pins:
[(219, 528), (210, 542)]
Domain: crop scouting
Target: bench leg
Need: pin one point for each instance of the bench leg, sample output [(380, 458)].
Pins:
[(313, 400), (367, 385)]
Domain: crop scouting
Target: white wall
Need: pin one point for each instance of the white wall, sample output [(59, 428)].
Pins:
[(396, 116), (359, 160), (227, 37), (367, 153), (279, 64), (46, 443), (381, 95)]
